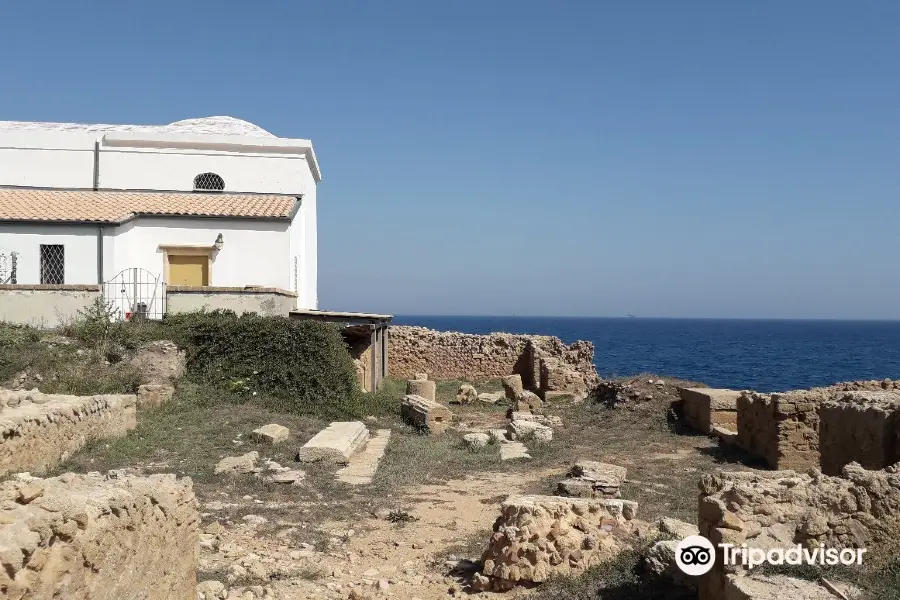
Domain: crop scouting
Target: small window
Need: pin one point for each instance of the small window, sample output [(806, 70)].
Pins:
[(53, 264), (209, 182)]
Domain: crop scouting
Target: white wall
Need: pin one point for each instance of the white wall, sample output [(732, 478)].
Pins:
[(254, 252), (80, 242), (175, 169), (47, 159)]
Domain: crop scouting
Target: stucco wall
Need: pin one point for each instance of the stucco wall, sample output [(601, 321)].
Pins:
[(267, 301), (171, 169), (47, 159), (254, 252), (80, 242), (45, 306)]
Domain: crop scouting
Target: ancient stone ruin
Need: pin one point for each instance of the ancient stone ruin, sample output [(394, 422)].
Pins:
[(706, 408), (545, 364), (781, 428), (94, 537), (537, 537), (592, 479), (859, 509), (862, 427), (37, 431), (428, 415)]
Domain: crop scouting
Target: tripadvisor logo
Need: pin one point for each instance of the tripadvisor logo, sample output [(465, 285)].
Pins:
[(696, 555)]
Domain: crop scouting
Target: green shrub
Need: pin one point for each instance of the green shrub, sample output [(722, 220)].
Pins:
[(304, 365)]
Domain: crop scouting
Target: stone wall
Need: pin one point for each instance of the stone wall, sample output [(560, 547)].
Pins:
[(45, 306), (860, 427), (97, 537), (37, 430), (705, 408), (545, 363), (781, 428), (859, 509)]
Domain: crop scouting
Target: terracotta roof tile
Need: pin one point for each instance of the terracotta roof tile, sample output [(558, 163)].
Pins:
[(116, 207)]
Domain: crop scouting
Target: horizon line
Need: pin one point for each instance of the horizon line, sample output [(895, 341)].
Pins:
[(636, 318)]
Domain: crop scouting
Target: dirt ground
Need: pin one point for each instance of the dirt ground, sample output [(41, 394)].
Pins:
[(417, 529)]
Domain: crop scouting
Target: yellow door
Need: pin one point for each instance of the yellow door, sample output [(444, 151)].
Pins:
[(186, 269)]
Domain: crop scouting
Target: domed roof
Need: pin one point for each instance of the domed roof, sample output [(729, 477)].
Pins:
[(204, 125), (218, 125)]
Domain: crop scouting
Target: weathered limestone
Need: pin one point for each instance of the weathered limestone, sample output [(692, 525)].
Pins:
[(90, 537), (781, 428), (272, 434), (527, 401), (705, 408), (477, 440), (529, 430), (537, 537), (466, 394), (421, 387), (860, 509), (592, 479), (452, 355), (861, 427), (154, 394), (490, 397), (363, 465), (336, 443), (37, 431), (512, 386), (426, 414), (237, 465), (513, 450), (780, 587), (548, 420)]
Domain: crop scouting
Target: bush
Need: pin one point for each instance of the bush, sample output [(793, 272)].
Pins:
[(304, 365)]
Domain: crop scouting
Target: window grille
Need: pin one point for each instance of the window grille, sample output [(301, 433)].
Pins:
[(53, 264), (209, 182)]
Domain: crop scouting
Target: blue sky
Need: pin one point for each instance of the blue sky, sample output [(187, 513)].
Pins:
[(698, 158)]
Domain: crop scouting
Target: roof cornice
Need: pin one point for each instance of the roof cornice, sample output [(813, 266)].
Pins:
[(226, 143)]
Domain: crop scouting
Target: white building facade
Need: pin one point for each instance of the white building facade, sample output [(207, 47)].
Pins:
[(214, 202)]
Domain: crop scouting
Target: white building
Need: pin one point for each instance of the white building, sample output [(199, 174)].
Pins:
[(212, 203)]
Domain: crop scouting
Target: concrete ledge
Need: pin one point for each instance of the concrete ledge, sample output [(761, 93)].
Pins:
[(47, 287), (336, 443), (37, 431), (95, 537), (249, 289)]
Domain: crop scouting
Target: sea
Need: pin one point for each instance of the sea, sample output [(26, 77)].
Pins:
[(761, 355)]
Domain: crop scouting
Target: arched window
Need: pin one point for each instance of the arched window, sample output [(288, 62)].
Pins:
[(209, 182)]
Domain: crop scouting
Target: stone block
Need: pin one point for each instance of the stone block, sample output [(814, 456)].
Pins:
[(512, 386), (477, 440), (237, 465), (781, 428), (335, 444), (90, 537), (421, 387), (528, 402), (425, 414), (272, 433), (529, 430), (861, 427), (41, 430), (154, 394), (705, 408), (466, 394)]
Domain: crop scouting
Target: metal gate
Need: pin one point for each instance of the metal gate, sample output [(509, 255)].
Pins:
[(136, 295), (8, 260)]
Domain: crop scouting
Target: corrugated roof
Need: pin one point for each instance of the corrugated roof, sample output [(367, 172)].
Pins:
[(116, 207)]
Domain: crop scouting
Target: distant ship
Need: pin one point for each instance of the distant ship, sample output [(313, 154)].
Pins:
[(630, 316)]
